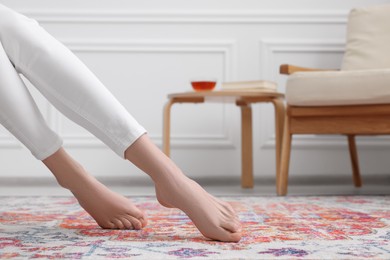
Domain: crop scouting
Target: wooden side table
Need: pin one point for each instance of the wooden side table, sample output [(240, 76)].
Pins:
[(243, 99)]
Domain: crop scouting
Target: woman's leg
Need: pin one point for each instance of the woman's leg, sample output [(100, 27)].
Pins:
[(74, 90), (66, 82), (20, 115)]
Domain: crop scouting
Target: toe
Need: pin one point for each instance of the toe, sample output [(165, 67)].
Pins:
[(137, 217), (127, 223), (233, 237), (141, 216), (143, 221), (233, 226), (229, 236), (237, 224), (135, 222), (107, 225), (118, 223), (138, 214), (224, 235)]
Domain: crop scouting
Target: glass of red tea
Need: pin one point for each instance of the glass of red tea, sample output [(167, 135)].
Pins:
[(203, 84)]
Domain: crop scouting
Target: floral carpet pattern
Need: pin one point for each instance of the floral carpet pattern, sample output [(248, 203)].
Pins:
[(328, 227)]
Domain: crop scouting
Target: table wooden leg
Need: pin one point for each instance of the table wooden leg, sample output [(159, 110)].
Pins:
[(246, 146), (279, 124), (167, 127), (281, 187)]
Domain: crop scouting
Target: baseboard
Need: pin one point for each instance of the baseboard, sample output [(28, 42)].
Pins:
[(372, 179)]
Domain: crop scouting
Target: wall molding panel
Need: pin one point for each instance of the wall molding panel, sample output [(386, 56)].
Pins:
[(185, 16), (270, 47)]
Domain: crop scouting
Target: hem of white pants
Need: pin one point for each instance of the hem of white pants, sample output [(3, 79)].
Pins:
[(131, 138), (54, 148)]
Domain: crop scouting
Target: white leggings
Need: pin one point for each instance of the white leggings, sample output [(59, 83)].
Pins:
[(26, 48)]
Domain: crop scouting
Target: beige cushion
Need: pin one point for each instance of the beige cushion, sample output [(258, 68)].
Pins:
[(332, 88), (368, 38)]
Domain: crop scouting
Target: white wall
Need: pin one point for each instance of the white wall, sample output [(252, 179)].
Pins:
[(143, 50)]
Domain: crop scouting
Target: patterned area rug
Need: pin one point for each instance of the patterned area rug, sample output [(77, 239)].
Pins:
[(351, 227)]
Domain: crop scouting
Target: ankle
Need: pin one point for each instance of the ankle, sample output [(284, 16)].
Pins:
[(168, 175), (74, 178)]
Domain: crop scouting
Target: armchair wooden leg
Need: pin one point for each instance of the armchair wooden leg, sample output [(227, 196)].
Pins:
[(285, 160), (354, 159), (167, 127)]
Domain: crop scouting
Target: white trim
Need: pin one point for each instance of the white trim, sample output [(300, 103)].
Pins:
[(185, 16), (222, 141), (269, 47)]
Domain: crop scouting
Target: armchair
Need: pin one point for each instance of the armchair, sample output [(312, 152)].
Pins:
[(352, 101)]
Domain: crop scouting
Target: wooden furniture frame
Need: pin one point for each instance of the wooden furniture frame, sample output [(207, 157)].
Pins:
[(349, 120), (243, 99)]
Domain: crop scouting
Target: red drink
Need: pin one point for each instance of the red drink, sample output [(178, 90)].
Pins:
[(203, 85)]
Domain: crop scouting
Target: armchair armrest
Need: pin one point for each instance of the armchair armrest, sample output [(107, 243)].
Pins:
[(288, 69)]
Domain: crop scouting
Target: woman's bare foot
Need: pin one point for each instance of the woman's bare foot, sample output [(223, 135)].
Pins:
[(109, 209), (214, 218)]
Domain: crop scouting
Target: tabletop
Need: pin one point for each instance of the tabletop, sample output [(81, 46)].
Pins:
[(227, 93)]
